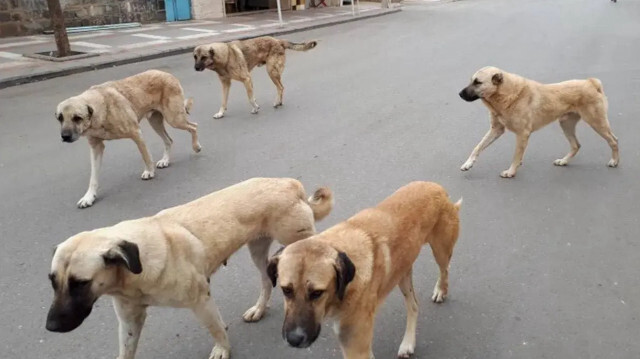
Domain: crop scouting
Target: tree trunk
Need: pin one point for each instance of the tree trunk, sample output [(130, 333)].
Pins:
[(59, 30)]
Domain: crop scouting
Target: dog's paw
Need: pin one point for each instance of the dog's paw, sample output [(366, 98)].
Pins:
[(219, 352), (87, 200), (466, 166), (218, 115), (277, 104), (254, 314), (163, 163), (560, 162), (508, 174), (439, 295), (405, 351), (612, 163), (255, 110), (147, 175), (197, 148)]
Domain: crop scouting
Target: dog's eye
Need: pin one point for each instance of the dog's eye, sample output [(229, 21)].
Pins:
[(476, 82), (316, 294), (76, 285), (76, 119), (287, 291), (195, 57), (60, 118)]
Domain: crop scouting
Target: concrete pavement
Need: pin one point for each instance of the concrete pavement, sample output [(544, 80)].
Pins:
[(546, 265), (123, 46)]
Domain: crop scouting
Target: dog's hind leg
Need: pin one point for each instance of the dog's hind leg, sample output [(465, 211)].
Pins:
[(248, 84), (568, 123), (208, 314), (445, 236), (275, 66), (96, 146), (600, 124), (259, 249), (157, 123), (409, 340), (176, 115), (131, 318)]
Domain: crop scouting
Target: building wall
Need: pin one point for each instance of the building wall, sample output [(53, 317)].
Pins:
[(207, 9), (25, 17)]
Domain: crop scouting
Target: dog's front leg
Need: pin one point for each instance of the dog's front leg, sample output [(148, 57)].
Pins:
[(207, 313), (522, 139), (248, 84), (356, 338), (149, 169), (259, 249), (408, 344), (131, 317), (96, 146), (226, 85), (493, 134)]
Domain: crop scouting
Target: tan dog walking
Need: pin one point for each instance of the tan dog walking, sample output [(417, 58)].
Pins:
[(114, 109), (346, 272), (167, 259), (235, 61), (523, 106)]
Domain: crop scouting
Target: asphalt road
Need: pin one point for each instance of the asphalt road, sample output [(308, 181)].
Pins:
[(546, 265)]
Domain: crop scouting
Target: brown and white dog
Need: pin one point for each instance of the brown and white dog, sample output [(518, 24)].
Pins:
[(114, 109), (346, 272), (167, 259), (523, 106), (235, 60)]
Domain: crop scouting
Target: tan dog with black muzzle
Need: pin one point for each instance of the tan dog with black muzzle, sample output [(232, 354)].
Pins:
[(167, 259), (346, 272), (523, 106), (114, 109), (235, 60)]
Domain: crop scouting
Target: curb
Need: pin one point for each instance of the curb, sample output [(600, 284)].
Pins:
[(24, 79)]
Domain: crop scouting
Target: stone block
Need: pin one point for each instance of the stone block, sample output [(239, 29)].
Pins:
[(9, 29), (5, 16)]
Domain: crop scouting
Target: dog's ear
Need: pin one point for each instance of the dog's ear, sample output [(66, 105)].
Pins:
[(211, 53), (272, 267), (345, 272), (125, 253), (90, 110), (55, 248), (496, 79)]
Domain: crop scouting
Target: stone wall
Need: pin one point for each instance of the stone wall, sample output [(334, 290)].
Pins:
[(26, 17)]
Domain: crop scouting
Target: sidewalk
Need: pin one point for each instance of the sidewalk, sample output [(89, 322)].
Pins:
[(119, 47)]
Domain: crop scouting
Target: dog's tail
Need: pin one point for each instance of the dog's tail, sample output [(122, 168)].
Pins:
[(458, 204), (188, 103), (299, 46), (321, 203), (597, 84)]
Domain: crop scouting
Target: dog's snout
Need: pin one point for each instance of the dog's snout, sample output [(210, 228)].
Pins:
[(467, 96), (67, 137), (198, 67), (296, 338)]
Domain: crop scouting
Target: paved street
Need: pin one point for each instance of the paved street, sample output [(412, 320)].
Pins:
[(546, 265)]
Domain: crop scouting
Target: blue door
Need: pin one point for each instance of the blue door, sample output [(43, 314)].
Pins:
[(178, 10)]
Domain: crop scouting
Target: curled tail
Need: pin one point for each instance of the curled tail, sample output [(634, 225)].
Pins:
[(458, 204), (188, 103), (321, 203), (597, 84), (299, 46)]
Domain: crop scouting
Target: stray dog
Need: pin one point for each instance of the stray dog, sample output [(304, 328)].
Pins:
[(236, 59), (114, 109), (167, 259), (345, 272), (523, 106)]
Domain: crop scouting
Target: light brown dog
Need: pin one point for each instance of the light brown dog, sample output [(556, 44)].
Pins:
[(114, 109), (236, 59), (167, 259), (346, 272), (524, 106)]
